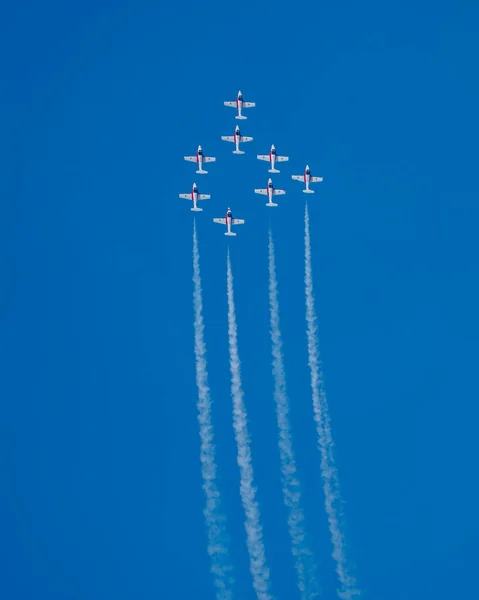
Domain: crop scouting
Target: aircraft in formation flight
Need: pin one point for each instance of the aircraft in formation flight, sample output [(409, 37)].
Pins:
[(239, 103), (193, 195), (236, 139), (269, 191), (272, 157), (307, 178), (200, 158), (228, 221)]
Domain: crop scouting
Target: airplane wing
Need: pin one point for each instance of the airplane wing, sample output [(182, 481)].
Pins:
[(238, 221), (228, 138), (261, 191), (278, 192), (185, 196), (204, 196), (233, 104), (208, 159), (245, 138), (221, 221), (263, 157), (282, 158), (315, 179), (190, 158), (249, 104), (297, 177)]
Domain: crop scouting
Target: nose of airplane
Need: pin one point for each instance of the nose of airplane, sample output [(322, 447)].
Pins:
[(199, 148), (307, 167), (239, 93), (237, 128), (270, 181), (273, 147)]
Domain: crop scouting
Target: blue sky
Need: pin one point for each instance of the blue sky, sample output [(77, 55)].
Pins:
[(102, 487)]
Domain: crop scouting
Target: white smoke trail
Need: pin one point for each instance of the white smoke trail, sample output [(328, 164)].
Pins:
[(304, 560), (254, 531), (215, 521), (323, 427)]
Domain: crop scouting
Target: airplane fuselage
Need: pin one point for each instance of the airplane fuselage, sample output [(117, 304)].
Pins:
[(194, 196), (272, 157), (239, 104), (307, 178), (269, 189)]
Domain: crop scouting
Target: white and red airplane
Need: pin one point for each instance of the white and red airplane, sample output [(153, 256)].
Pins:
[(193, 195), (200, 159), (236, 139), (239, 103), (269, 191), (228, 221), (307, 178), (272, 157)]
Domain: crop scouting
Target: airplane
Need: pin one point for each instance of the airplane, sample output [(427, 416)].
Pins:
[(269, 191), (193, 195), (200, 158), (272, 157), (236, 139), (228, 221), (307, 178), (239, 103)]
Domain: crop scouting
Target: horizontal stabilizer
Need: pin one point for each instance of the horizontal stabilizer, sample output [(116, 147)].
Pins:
[(230, 233), (273, 171), (271, 204), (201, 172), (240, 117), (238, 151), (196, 209), (308, 191)]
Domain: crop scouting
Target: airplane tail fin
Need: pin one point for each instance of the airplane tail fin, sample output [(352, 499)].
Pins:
[(196, 209), (238, 151), (240, 117), (230, 233), (201, 171), (308, 191), (273, 171), (271, 204)]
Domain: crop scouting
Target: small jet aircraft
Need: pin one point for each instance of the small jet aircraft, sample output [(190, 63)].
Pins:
[(193, 195), (239, 103), (272, 157), (200, 158), (307, 178), (236, 139), (269, 191), (228, 221)]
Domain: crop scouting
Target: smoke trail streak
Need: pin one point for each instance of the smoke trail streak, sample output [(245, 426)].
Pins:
[(323, 427), (254, 531), (304, 559), (215, 521)]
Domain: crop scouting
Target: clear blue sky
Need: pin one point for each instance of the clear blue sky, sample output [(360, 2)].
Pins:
[(101, 488)]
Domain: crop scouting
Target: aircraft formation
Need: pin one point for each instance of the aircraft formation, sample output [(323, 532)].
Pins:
[(237, 139)]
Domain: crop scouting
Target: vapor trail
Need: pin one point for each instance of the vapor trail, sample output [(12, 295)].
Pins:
[(304, 559), (323, 427), (254, 531), (215, 520)]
